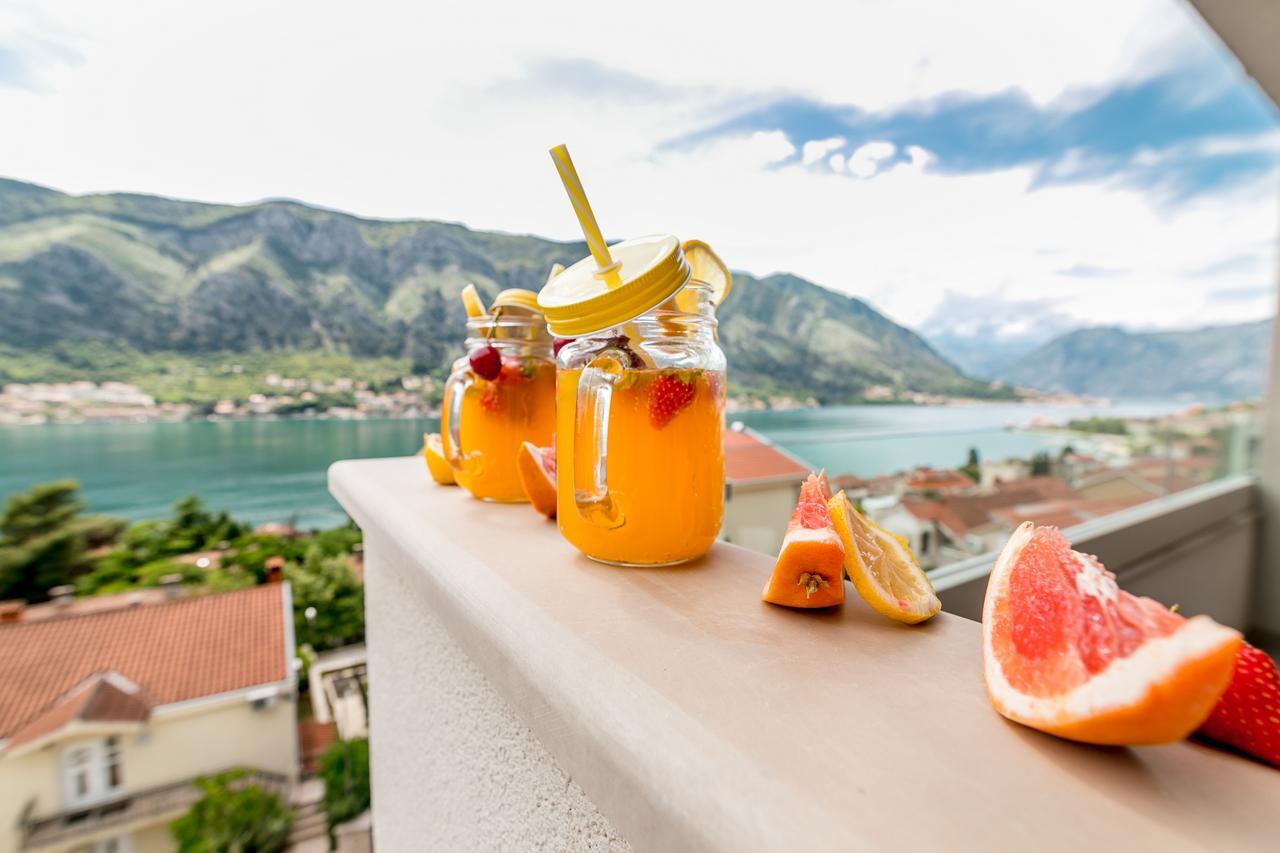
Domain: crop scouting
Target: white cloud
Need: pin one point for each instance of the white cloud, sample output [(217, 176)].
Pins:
[(414, 110), (770, 146), (815, 149), (906, 238), (920, 157), (865, 160), (836, 162)]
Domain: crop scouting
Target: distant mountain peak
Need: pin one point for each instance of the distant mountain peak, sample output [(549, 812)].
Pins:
[(1217, 362)]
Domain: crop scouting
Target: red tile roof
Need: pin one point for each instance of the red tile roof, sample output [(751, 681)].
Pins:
[(937, 479), (961, 513), (93, 604), (99, 699), (748, 459), (849, 482), (1063, 513), (181, 650)]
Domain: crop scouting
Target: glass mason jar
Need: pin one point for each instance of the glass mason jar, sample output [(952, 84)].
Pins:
[(639, 435), (485, 420)]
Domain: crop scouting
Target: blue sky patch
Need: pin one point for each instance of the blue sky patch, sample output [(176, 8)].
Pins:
[(1160, 134)]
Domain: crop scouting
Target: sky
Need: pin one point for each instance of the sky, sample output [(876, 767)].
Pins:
[(995, 169)]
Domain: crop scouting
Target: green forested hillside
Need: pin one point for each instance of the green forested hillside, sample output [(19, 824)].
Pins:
[(86, 277)]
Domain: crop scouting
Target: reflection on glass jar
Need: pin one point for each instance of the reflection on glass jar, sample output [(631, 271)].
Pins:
[(640, 420), (497, 397)]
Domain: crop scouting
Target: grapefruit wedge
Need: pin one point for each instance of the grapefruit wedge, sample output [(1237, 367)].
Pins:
[(810, 567), (437, 464), (537, 468), (1068, 652)]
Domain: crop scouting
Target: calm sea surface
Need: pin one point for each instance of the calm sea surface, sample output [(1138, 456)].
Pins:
[(275, 470)]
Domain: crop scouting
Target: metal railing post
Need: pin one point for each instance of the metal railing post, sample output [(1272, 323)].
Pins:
[(1266, 598)]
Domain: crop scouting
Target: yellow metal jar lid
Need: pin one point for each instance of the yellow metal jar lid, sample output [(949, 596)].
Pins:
[(583, 299), (516, 297)]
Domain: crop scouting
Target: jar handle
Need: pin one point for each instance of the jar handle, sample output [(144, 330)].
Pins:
[(591, 424), (455, 389)]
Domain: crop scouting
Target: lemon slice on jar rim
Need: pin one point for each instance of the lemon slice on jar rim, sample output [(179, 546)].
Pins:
[(707, 268), (472, 302)]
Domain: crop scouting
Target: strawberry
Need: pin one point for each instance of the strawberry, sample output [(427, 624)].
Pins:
[(671, 392), (1248, 714), (490, 401)]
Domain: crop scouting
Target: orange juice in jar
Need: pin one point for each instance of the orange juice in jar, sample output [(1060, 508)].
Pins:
[(499, 396), (639, 407)]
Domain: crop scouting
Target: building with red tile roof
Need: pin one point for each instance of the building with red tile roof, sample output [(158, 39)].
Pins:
[(973, 523), (107, 717), (926, 479), (62, 607), (751, 458), (762, 482)]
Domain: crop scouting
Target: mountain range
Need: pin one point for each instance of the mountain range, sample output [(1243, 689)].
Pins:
[(157, 275), (1218, 363)]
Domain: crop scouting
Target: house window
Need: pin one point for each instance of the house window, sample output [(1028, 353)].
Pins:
[(119, 844), (91, 771)]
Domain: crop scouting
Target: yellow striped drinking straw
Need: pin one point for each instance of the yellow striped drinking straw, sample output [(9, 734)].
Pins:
[(606, 266)]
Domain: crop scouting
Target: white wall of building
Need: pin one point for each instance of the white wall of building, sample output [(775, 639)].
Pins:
[(756, 514)]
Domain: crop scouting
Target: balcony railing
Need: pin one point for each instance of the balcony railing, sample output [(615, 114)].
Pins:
[(1195, 548), (172, 799)]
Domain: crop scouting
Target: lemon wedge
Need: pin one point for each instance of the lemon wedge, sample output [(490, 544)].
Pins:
[(708, 268), (437, 464), (472, 302), (883, 570)]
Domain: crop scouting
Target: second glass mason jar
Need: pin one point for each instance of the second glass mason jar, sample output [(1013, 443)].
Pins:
[(639, 408), (501, 394)]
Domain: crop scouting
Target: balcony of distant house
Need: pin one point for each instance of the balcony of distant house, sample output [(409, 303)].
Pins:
[(125, 814), (111, 707)]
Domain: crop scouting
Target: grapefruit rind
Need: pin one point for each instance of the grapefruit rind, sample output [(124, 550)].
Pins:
[(1160, 693), (538, 486), (809, 572), (919, 601)]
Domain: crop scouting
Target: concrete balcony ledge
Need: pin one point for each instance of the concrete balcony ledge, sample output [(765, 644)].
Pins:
[(525, 697)]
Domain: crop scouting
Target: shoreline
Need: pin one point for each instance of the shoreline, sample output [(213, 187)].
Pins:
[(731, 411)]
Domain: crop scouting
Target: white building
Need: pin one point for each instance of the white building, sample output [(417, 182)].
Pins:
[(762, 483), (106, 719)]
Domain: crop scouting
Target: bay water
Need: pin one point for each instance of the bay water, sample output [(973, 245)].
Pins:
[(275, 470)]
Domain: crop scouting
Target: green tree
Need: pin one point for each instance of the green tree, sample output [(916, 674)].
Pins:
[(1041, 464), (44, 539), (147, 548), (973, 467), (327, 584), (233, 816), (1108, 426), (344, 767)]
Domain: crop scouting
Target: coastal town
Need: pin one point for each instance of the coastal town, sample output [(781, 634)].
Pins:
[(345, 398), (1102, 466), (82, 401)]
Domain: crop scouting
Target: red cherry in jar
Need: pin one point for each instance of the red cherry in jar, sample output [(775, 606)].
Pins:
[(486, 362)]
